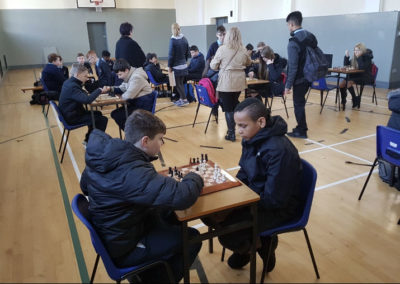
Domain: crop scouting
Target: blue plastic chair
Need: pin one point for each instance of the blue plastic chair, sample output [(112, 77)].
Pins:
[(321, 85), (153, 110), (203, 99), (80, 206), (269, 103), (307, 187), (66, 127), (48, 95), (154, 82)]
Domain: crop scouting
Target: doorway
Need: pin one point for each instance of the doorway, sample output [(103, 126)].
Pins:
[(97, 37)]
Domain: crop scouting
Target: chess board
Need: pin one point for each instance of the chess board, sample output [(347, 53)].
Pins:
[(210, 185), (105, 97)]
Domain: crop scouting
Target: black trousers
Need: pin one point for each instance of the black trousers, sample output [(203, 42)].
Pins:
[(100, 121), (299, 103), (229, 100)]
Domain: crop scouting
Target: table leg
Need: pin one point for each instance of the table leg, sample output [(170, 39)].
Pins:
[(185, 248), (93, 120), (337, 91), (254, 244), (126, 109)]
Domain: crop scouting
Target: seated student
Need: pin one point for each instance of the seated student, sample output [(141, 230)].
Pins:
[(64, 69), (154, 68), (270, 68), (136, 90), (251, 53), (52, 75), (106, 57), (270, 165), (104, 77), (90, 84), (196, 65), (73, 97), (131, 205), (362, 59), (81, 59)]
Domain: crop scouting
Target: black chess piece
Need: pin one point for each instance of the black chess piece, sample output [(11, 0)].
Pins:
[(197, 168), (206, 158), (194, 160), (198, 161), (202, 157)]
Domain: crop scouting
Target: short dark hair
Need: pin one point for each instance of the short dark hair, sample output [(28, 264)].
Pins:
[(255, 109), (249, 46), (52, 57), (80, 54), (194, 48), (105, 53), (221, 29), (150, 56), (143, 123), (125, 29), (295, 17), (121, 65)]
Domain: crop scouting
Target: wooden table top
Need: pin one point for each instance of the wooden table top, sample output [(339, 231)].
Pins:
[(218, 201), (105, 100), (256, 81), (345, 70)]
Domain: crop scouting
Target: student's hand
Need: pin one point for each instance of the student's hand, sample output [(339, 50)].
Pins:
[(269, 61), (347, 53), (105, 90), (251, 74), (286, 92)]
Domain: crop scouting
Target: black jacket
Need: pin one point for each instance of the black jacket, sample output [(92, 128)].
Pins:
[(130, 50), (270, 165), (212, 50), (73, 97), (297, 56), (178, 54), (53, 77), (124, 189), (197, 65), (103, 73), (364, 63), (394, 106), (155, 70)]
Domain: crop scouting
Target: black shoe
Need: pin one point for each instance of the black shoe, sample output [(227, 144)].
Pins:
[(297, 134), (358, 102), (230, 136), (237, 261), (344, 106), (263, 251)]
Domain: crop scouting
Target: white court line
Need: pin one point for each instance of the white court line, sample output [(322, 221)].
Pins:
[(363, 103), (344, 180), (74, 164)]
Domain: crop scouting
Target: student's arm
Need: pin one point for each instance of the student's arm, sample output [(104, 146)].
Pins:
[(364, 63), (242, 176), (293, 63), (346, 61), (133, 87), (83, 183), (275, 71), (82, 97), (171, 54)]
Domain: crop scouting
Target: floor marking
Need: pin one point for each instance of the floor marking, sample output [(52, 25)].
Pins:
[(345, 180), (30, 133)]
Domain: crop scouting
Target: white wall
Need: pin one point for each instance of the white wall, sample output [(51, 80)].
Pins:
[(263, 9), (312, 8), (390, 5), (70, 4)]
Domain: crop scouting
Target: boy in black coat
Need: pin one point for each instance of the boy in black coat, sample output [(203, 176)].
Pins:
[(270, 165), (131, 204), (127, 48)]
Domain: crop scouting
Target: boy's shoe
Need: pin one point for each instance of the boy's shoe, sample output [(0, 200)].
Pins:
[(177, 102), (184, 103), (297, 134), (237, 261), (181, 103), (263, 251)]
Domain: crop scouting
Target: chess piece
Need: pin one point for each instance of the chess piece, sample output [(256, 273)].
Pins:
[(206, 157), (198, 161), (202, 158)]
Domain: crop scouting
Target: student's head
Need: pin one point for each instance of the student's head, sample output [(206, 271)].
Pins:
[(260, 46), (145, 131), (221, 31), (194, 51), (122, 68), (80, 72), (294, 20), (359, 49), (152, 58), (175, 29), (249, 46), (80, 58), (250, 116), (105, 54), (126, 29), (233, 38), (267, 53), (54, 58), (92, 56)]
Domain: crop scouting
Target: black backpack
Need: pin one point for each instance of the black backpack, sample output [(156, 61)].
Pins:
[(315, 65)]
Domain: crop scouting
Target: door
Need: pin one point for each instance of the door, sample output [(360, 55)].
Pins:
[(97, 37)]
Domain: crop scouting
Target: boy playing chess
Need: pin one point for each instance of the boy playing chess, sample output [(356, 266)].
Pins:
[(270, 165), (131, 204)]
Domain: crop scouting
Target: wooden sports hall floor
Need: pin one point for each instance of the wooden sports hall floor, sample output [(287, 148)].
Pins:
[(41, 240)]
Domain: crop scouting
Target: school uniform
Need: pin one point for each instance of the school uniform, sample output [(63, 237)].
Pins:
[(53, 77), (103, 73), (130, 50)]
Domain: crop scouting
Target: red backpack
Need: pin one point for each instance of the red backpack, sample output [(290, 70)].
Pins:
[(206, 83)]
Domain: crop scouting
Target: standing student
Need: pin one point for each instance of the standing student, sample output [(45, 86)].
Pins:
[(295, 79), (362, 60), (131, 205), (73, 97), (178, 55), (231, 59), (52, 75), (270, 166), (135, 89), (129, 49)]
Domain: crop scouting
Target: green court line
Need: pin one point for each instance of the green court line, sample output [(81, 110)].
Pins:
[(71, 223)]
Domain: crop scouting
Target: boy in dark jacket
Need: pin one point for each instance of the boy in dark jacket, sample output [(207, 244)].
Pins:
[(270, 165), (73, 97), (129, 201), (52, 74), (104, 77), (154, 68), (127, 48), (196, 65)]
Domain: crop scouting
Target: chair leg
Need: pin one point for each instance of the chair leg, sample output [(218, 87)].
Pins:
[(311, 252), (210, 242), (309, 90), (223, 254), (265, 263), (208, 121), (197, 111), (61, 142), (374, 96), (65, 146), (47, 111), (323, 104), (94, 268), (284, 103), (398, 223), (369, 175)]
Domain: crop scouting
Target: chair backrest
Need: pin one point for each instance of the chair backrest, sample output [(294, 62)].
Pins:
[(283, 77), (80, 206), (44, 84), (60, 116), (151, 78), (307, 187), (320, 84), (153, 110), (203, 97), (329, 58), (388, 144)]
